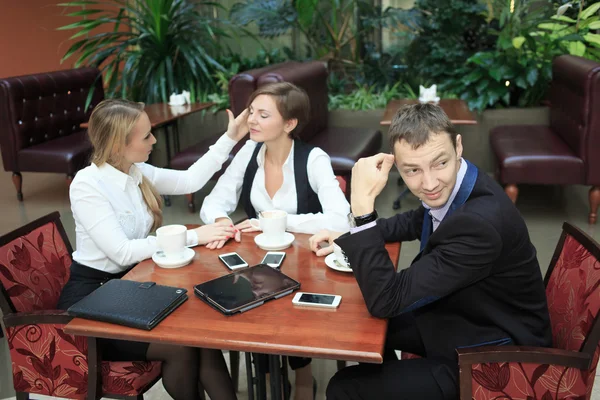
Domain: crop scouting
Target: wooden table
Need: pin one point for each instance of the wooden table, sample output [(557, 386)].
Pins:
[(456, 109), (161, 114), (277, 327)]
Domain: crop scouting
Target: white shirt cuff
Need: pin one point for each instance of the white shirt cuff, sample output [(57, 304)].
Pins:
[(192, 238), (362, 227)]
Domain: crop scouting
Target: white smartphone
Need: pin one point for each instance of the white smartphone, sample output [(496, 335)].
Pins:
[(317, 300), (273, 259), (233, 261)]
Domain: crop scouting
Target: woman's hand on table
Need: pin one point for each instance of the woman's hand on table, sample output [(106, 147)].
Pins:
[(219, 243), (218, 231), (246, 227), (316, 242)]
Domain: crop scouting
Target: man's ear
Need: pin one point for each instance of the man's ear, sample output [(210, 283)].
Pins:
[(459, 147)]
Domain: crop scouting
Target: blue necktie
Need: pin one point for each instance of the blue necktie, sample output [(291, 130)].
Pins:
[(427, 229)]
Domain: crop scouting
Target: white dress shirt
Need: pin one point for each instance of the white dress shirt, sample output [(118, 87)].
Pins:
[(112, 220), (225, 196)]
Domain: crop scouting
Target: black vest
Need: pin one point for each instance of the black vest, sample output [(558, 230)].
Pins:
[(307, 199)]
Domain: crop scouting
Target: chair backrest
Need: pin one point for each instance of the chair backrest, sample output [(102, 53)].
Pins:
[(243, 84), (34, 265), (574, 105), (312, 77), (38, 108), (573, 292)]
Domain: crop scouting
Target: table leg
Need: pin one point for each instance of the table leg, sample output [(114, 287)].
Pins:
[(287, 389), (249, 377), (275, 370), (261, 380)]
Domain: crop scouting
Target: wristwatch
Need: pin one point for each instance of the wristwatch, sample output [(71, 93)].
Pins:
[(362, 219)]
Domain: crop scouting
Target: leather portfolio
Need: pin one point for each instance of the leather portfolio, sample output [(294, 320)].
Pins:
[(139, 305)]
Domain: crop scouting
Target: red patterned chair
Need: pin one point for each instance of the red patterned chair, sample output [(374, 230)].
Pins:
[(566, 371), (34, 267)]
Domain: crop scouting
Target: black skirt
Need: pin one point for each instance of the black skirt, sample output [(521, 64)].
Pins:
[(83, 281)]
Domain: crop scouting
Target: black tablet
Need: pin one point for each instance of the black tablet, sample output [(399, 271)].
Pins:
[(245, 289)]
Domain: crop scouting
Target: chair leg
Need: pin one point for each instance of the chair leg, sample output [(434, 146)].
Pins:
[(594, 197), (69, 180), (18, 182), (512, 191), (22, 396), (234, 361), (191, 205)]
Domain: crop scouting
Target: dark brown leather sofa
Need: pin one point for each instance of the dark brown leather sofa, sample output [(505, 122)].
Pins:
[(567, 151), (39, 122), (344, 145)]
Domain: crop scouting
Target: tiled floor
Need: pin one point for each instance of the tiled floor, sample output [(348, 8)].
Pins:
[(544, 209)]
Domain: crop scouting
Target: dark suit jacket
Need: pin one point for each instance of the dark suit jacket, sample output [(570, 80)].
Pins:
[(476, 282)]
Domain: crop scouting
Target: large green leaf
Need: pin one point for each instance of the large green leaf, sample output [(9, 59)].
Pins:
[(591, 10), (550, 26), (592, 38), (576, 48), (306, 10), (532, 76), (594, 25)]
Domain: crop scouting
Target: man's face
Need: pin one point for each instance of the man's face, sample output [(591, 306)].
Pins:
[(430, 170)]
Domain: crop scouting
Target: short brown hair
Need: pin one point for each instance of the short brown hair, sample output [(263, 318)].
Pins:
[(417, 122), (292, 102)]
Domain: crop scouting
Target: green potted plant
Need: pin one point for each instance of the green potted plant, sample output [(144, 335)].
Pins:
[(147, 49)]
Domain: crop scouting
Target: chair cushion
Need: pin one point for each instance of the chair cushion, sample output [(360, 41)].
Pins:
[(534, 154), (346, 145), (66, 154)]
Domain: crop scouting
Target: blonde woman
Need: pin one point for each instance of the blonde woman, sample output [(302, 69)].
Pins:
[(116, 203)]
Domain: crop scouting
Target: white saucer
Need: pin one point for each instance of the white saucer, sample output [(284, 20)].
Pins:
[(330, 261), (265, 244), (173, 262)]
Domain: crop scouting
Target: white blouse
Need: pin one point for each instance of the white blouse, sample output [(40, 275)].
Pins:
[(112, 220), (225, 196)]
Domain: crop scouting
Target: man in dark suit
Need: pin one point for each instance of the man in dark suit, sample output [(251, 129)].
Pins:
[(475, 282)]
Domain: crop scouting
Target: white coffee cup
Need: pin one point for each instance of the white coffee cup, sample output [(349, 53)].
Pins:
[(171, 239), (340, 256), (273, 224)]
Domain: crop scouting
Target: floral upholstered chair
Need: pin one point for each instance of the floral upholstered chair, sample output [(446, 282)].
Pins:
[(34, 267), (567, 370)]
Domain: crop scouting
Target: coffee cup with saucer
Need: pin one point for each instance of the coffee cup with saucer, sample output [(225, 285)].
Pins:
[(273, 224), (338, 260), (173, 253)]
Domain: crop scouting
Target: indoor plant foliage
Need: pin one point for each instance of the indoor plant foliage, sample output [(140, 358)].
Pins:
[(573, 26), (335, 30), (147, 49), (517, 72)]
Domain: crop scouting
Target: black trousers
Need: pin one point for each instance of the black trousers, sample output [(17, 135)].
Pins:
[(424, 378)]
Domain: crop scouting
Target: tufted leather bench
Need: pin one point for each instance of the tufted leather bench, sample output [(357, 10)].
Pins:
[(344, 145), (39, 122), (566, 152)]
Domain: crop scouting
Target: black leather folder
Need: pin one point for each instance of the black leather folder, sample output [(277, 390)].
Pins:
[(139, 305)]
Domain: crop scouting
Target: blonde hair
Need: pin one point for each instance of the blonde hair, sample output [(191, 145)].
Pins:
[(110, 124)]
